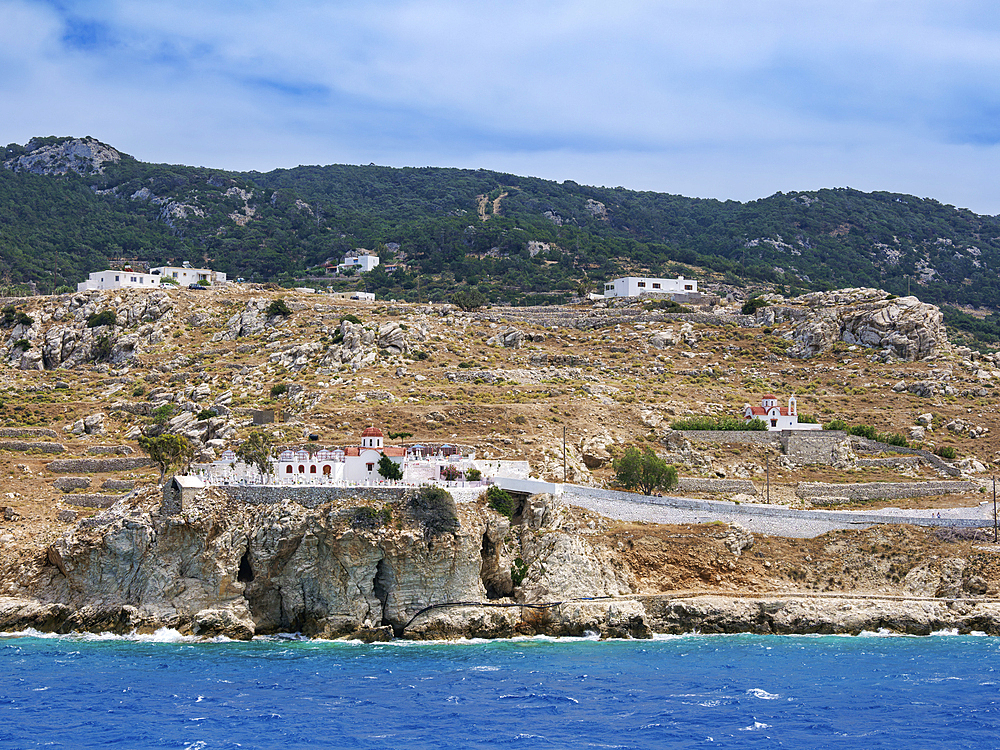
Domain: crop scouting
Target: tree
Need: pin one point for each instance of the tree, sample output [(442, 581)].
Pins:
[(167, 451), (257, 450), (644, 471), (469, 300), (389, 469)]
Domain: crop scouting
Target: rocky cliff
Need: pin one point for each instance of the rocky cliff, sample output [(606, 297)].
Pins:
[(222, 567)]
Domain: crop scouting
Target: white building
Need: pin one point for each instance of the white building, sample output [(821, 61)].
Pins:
[(185, 274), (354, 465), (119, 280), (778, 417), (359, 259), (633, 286)]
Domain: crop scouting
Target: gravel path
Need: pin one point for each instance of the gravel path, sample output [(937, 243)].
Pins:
[(774, 520)]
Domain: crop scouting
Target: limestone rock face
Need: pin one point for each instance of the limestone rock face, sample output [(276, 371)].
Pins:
[(511, 338), (68, 342), (250, 322), (904, 327), (222, 567), (80, 155), (392, 338)]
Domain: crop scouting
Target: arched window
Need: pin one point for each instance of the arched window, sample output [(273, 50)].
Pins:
[(302, 469), (312, 469), (288, 469), (327, 469)]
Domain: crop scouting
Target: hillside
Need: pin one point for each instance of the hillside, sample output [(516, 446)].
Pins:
[(68, 205), (514, 383)]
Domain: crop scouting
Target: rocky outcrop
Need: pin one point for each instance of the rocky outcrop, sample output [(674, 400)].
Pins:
[(60, 337), (827, 615), (80, 155), (905, 327)]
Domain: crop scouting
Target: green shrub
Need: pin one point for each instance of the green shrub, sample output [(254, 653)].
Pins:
[(62, 289), (466, 365), (836, 424), (22, 344), (279, 389), (501, 501), (473, 475), (862, 430), (435, 508), (139, 391), (518, 571), (389, 469), (471, 299), (278, 307), (102, 349), (725, 424), (351, 319), (893, 438), (807, 419), (163, 413), (399, 435), (945, 451), (419, 355), (643, 471), (23, 319), (206, 414), (752, 305), (106, 318)]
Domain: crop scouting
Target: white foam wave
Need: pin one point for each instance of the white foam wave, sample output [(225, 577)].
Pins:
[(762, 694)]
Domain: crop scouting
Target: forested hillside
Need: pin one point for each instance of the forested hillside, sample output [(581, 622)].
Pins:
[(68, 205)]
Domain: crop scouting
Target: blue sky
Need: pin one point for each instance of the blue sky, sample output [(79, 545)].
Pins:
[(712, 98)]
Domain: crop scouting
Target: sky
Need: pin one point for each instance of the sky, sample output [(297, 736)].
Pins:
[(729, 99)]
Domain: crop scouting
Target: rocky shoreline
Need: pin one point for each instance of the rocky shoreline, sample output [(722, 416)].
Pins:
[(423, 567)]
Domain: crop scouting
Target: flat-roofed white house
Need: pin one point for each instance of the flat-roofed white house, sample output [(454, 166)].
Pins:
[(635, 286), (114, 279), (359, 259), (185, 274), (778, 417)]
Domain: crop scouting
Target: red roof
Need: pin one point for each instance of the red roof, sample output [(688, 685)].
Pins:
[(352, 450), (761, 411), (372, 432), (394, 450), (770, 396)]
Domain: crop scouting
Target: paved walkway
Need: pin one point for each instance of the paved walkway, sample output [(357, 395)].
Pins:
[(773, 520)]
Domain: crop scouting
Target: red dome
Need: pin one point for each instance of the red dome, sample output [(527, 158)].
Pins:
[(372, 432)]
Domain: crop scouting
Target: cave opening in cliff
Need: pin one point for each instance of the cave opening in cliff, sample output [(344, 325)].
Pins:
[(382, 584), (245, 574), (497, 587)]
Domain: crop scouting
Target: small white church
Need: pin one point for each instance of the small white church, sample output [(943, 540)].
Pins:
[(778, 417)]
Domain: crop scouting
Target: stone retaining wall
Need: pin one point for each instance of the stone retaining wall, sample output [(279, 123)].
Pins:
[(899, 462), (92, 465), (717, 486), (882, 490), (754, 437), (118, 484), (104, 450), (92, 501), (11, 445), (864, 445), (23, 432), (66, 484), (812, 446), (314, 496)]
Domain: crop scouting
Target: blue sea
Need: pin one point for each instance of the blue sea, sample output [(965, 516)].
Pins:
[(741, 691)]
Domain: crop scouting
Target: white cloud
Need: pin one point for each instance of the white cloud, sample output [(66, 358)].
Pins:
[(734, 98)]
